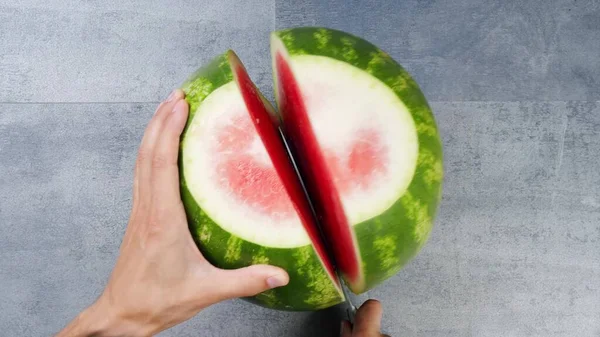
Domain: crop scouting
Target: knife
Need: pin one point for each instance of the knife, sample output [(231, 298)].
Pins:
[(348, 304)]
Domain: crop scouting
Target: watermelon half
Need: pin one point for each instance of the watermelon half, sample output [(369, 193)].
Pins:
[(346, 173)]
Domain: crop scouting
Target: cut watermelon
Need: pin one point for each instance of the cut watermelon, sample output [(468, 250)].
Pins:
[(369, 162), (368, 146), (244, 201)]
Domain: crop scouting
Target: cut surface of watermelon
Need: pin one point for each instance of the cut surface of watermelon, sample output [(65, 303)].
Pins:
[(244, 200), (319, 183), (239, 188), (277, 205), (356, 141), (366, 134)]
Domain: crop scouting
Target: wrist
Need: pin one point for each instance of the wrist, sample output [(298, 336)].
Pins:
[(100, 320)]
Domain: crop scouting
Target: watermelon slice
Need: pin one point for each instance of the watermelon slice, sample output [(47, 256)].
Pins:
[(368, 173), (368, 145), (244, 202)]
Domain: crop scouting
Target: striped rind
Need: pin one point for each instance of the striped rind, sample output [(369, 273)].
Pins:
[(310, 287), (390, 240)]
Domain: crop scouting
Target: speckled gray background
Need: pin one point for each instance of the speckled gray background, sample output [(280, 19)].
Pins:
[(515, 86)]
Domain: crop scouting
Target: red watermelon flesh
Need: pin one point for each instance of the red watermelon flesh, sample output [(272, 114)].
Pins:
[(274, 189), (323, 188)]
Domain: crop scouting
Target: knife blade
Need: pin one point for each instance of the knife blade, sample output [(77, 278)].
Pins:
[(348, 303)]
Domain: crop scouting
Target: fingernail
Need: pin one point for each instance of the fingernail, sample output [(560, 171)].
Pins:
[(276, 281), (177, 108), (171, 96)]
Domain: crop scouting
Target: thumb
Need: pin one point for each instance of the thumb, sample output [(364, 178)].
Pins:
[(250, 281), (368, 319)]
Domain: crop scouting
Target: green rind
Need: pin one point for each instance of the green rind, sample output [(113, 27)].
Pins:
[(309, 288), (388, 241)]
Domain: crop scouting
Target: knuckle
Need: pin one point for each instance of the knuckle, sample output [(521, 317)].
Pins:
[(160, 161), (154, 228), (143, 155)]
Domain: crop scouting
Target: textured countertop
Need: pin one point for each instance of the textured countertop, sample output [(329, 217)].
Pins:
[(514, 85)]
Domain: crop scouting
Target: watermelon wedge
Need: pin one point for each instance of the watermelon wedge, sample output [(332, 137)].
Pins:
[(370, 154), (347, 173), (244, 202)]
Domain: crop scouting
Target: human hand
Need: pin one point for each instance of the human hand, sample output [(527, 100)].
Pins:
[(161, 278), (367, 322)]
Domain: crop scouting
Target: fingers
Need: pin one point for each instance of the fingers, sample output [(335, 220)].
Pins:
[(367, 322), (151, 137), (165, 172), (249, 281)]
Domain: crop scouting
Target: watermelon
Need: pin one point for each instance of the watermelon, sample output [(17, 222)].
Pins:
[(244, 202), (346, 174)]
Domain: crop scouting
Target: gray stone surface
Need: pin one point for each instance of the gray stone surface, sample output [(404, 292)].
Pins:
[(516, 250), (515, 89), (123, 51), (475, 49)]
